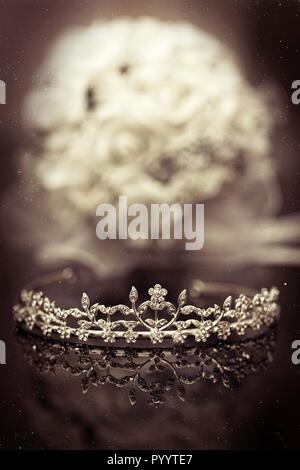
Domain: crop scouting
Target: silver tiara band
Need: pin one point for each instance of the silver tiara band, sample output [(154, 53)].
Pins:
[(155, 319)]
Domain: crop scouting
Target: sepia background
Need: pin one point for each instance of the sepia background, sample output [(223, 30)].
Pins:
[(262, 411)]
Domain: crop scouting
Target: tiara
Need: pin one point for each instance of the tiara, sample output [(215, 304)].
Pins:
[(155, 319), (155, 372)]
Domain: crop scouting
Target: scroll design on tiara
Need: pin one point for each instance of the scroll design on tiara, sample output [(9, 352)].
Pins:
[(155, 372), (36, 310)]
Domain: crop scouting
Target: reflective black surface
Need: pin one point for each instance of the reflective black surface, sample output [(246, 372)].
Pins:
[(46, 402)]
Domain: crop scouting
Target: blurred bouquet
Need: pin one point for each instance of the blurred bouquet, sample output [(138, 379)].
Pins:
[(156, 111)]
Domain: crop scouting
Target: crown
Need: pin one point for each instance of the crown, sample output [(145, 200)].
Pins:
[(154, 372), (155, 319)]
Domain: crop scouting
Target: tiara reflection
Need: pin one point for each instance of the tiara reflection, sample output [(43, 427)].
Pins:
[(157, 373)]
